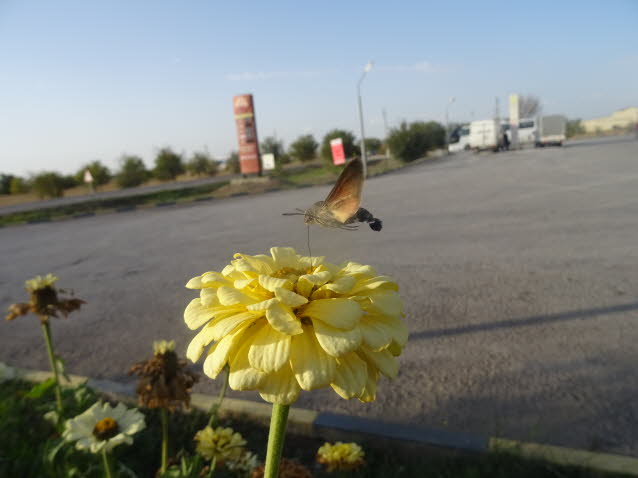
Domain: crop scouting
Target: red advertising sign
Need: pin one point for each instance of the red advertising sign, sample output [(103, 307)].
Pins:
[(338, 154), (247, 134)]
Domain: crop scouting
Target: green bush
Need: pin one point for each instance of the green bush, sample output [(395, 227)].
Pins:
[(132, 172), (304, 148), (5, 183), (232, 163), (574, 127), (168, 165), (18, 186), (412, 141), (373, 145), (350, 147), (101, 174), (49, 184), (201, 164)]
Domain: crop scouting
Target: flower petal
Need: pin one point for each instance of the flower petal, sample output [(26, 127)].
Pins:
[(196, 315), (340, 313), (280, 387), (350, 377), (272, 283), (242, 375), (219, 353), (284, 257), (357, 270), (387, 302), (270, 349), (313, 368), (343, 285), (383, 361), (213, 279), (230, 296), (209, 297), (222, 327), (199, 343), (282, 319), (306, 282), (263, 305), (379, 282), (289, 298), (336, 342), (369, 393), (377, 332)]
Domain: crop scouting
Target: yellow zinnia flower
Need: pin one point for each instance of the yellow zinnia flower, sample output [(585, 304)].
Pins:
[(340, 456), (284, 324), (220, 443)]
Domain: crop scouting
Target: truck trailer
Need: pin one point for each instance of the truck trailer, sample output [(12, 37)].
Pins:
[(551, 131)]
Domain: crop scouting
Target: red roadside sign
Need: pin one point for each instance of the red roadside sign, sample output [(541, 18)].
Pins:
[(247, 134), (338, 154)]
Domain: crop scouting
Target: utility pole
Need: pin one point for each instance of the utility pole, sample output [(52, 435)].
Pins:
[(364, 156), (385, 128)]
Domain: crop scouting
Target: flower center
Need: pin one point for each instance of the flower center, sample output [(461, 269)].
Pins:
[(105, 429)]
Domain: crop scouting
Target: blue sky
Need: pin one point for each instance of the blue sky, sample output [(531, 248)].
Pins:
[(93, 80)]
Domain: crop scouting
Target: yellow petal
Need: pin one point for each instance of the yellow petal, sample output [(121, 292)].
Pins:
[(337, 342), (230, 296), (219, 352), (263, 305), (313, 368), (242, 375), (196, 315), (198, 344), (284, 257), (280, 387), (209, 297), (350, 377), (220, 328), (260, 263), (306, 282), (342, 285), (289, 298), (377, 332), (379, 282), (194, 283), (270, 349), (241, 283), (357, 270), (383, 361), (340, 313), (282, 319), (370, 390), (273, 283), (387, 302), (213, 279)]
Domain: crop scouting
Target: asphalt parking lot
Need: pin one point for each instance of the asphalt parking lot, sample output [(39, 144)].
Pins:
[(519, 272)]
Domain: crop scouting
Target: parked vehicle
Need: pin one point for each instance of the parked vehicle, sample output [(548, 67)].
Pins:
[(527, 131), (551, 131), (459, 139), (485, 134)]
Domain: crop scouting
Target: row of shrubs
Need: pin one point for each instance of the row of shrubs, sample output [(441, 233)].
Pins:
[(406, 142)]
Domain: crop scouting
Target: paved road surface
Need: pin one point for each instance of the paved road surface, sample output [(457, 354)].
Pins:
[(519, 271)]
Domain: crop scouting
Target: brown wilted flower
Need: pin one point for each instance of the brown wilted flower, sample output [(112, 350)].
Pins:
[(164, 381), (44, 300), (287, 469)]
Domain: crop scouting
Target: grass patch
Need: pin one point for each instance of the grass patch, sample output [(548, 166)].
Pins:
[(121, 203), (31, 447)]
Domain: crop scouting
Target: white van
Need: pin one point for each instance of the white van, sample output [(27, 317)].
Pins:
[(485, 134), (459, 139)]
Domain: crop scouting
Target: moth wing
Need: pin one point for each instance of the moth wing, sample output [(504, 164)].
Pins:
[(344, 199)]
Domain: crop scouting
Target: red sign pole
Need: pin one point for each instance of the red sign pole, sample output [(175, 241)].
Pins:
[(249, 161)]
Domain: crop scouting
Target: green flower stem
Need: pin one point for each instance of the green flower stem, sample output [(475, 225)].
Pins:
[(213, 465), (276, 437), (164, 414), (107, 464), (214, 410), (58, 391)]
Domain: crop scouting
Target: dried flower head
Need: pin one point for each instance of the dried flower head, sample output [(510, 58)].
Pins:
[(165, 381), (244, 465), (286, 322), (287, 469), (224, 444), (44, 300), (340, 456)]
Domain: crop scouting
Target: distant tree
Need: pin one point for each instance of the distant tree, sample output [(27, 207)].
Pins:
[(168, 165), (132, 172), (528, 106), (232, 163), (101, 174), (69, 181), (5, 183), (412, 141), (373, 145), (304, 148), (574, 127), (201, 164), (18, 185), (48, 184), (350, 147)]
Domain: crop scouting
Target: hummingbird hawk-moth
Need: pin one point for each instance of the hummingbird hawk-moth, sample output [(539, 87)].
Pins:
[(341, 208)]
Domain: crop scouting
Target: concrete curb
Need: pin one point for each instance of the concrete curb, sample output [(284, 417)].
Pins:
[(333, 426)]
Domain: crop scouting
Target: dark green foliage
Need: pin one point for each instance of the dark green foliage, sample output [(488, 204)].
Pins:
[(272, 145), (232, 163), (18, 186), (49, 184), (350, 147), (5, 183), (168, 165), (101, 174), (304, 148), (574, 127), (412, 141), (201, 164), (132, 172), (373, 146)]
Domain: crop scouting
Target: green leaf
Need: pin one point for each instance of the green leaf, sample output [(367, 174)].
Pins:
[(40, 389), (61, 366)]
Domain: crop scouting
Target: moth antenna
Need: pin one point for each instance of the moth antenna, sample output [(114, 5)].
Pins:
[(292, 214)]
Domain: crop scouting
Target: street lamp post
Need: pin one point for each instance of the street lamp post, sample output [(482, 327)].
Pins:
[(364, 157), (447, 123)]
